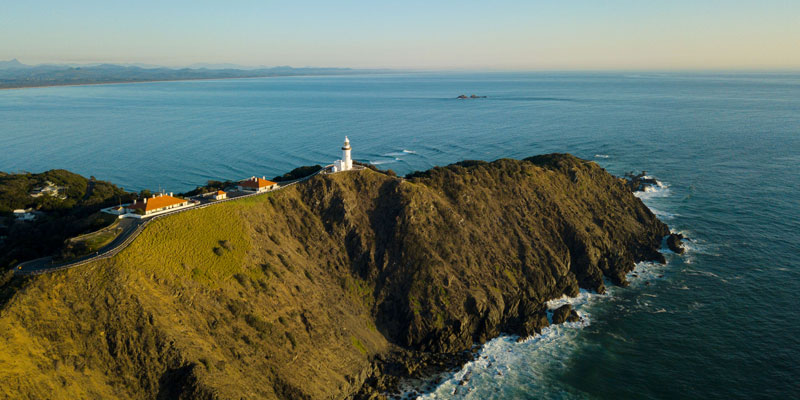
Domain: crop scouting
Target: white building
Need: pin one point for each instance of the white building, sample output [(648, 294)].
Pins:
[(346, 163), (256, 184), (49, 189), (157, 204)]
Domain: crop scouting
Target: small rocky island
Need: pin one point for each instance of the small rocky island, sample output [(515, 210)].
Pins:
[(463, 96), (337, 287)]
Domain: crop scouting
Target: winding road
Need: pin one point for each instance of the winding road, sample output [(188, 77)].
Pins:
[(131, 228)]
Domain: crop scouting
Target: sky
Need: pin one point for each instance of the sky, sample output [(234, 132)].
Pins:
[(409, 34)]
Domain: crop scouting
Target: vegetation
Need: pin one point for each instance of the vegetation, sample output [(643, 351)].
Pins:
[(400, 268), (369, 166), (210, 186), (71, 212), (297, 173), (91, 242)]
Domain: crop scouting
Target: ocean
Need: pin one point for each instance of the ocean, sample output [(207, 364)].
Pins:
[(721, 321)]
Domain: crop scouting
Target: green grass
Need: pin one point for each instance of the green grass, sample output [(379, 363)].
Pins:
[(96, 242), (358, 345), (191, 240), (90, 243)]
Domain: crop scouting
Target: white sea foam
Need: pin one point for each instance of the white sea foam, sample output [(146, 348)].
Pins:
[(601, 156), (401, 153), (663, 214), (660, 189), (506, 360), (381, 162), (534, 361)]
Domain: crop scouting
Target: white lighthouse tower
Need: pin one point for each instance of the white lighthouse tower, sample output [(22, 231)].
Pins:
[(346, 163)]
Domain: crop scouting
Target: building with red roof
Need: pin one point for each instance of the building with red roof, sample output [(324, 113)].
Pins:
[(256, 184), (157, 203)]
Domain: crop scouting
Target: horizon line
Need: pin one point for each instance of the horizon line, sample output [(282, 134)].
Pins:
[(420, 69)]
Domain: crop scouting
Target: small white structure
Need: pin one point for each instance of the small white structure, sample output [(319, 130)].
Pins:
[(118, 210), (25, 215), (49, 189), (346, 163), (218, 195)]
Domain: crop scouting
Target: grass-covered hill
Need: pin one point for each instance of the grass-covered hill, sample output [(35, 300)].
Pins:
[(312, 290), (71, 212)]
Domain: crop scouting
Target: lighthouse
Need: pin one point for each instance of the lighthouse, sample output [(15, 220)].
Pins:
[(347, 162)]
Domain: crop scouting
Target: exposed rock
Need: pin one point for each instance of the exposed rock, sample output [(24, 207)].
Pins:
[(339, 286), (675, 243), (639, 182), (565, 313)]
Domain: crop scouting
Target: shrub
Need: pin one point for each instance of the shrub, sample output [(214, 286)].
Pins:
[(358, 345), (258, 324), (291, 339)]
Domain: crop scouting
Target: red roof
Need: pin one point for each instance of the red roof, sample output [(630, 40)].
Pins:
[(220, 192), (155, 203), (256, 183)]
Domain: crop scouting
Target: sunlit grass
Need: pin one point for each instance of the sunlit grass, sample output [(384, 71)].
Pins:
[(207, 244)]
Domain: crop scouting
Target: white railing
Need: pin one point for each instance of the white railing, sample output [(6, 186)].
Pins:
[(110, 252)]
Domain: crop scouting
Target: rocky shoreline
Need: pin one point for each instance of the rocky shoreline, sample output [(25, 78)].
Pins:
[(349, 285), (402, 374)]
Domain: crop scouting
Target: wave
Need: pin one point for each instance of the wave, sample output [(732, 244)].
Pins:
[(381, 162), (602, 156), (508, 360), (506, 366), (660, 189)]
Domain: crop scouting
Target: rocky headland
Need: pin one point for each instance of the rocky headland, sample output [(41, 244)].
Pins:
[(337, 287)]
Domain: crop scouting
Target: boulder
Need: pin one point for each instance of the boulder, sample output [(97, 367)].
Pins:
[(675, 243), (565, 313)]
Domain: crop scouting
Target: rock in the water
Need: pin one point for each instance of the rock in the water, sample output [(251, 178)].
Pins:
[(565, 313), (474, 96), (639, 182), (573, 316), (675, 243)]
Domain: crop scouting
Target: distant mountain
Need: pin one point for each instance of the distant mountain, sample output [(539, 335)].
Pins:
[(14, 74), (12, 64), (224, 66)]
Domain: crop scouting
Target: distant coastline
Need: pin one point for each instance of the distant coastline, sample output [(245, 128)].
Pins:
[(52, 85), (15, 75)]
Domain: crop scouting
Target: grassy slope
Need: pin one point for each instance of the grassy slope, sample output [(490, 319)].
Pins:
[(292, 293), (169, 304)]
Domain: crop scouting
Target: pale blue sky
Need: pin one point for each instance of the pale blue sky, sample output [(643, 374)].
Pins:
[(502, 34)]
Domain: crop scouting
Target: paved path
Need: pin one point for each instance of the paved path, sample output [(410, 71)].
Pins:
[(131, 228)]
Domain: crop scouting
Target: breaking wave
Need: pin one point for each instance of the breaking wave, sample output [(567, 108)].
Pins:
[(514, 367)]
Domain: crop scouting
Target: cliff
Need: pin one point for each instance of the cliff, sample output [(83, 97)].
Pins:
[(329, 288)]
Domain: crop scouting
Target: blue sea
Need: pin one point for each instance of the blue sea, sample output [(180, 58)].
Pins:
[(722, 321)]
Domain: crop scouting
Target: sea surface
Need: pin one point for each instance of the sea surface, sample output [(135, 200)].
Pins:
[(722, 321)]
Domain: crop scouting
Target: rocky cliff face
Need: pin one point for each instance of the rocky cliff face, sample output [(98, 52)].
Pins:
[(343, 280)]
